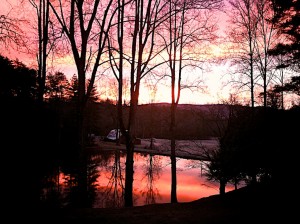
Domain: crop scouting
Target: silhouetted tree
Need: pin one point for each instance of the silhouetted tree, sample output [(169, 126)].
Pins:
[(242, 36), (94, 97), (266, 38), (23, 125), (181, 37), (280, 78), (87, 45), (220, 168), (42, 12), (273, 99), (134, 42), (85, 24), (224, 165), (293, 86), (57, 86), (73, 91), (286, 18), (17, 80)]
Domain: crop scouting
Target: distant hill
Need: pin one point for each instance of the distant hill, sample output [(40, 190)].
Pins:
[(152, 120)]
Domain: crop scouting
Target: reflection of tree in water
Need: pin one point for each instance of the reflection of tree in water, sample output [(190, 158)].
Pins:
[(203, 169), (50, 194), (112, 195), (70, 183), (82, 194), (152, 170), (195, 164)]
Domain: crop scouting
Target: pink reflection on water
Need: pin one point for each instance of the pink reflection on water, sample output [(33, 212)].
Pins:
[(152, 180)]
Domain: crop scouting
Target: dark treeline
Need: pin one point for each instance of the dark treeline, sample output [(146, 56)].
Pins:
[(256, 144), (18, 85)]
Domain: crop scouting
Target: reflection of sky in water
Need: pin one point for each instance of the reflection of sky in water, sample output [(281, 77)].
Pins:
[(152, 180)]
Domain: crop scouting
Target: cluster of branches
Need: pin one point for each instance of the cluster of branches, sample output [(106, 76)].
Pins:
[(286, 18), (264, 41), (292, 86), (11, 33)]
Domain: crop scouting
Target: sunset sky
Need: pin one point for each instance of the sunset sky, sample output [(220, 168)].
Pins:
[(211, 89)]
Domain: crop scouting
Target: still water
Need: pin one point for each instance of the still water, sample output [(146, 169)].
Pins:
[(152, 180)]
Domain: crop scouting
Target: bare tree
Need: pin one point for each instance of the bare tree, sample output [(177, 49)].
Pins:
[(42, 11), (242, 36), (137, 23), (11, 32), (85, 25), (266, 38), (282, 74), (187, 28), (57, 86)]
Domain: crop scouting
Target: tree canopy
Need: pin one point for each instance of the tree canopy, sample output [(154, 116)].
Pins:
[(16, 80), (287, 18)]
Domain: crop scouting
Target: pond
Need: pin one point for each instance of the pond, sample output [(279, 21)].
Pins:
[(152, 180)]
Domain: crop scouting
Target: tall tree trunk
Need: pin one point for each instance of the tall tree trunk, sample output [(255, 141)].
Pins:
[(78, 29), (42, 11), (173, 143), (128, 195), (173, 171), (252, 77), (81, 132)]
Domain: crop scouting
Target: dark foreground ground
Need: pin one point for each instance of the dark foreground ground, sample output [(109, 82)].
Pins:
[(259, 204)]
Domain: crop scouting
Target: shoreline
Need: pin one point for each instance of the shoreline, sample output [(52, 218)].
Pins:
[(186, 149)]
